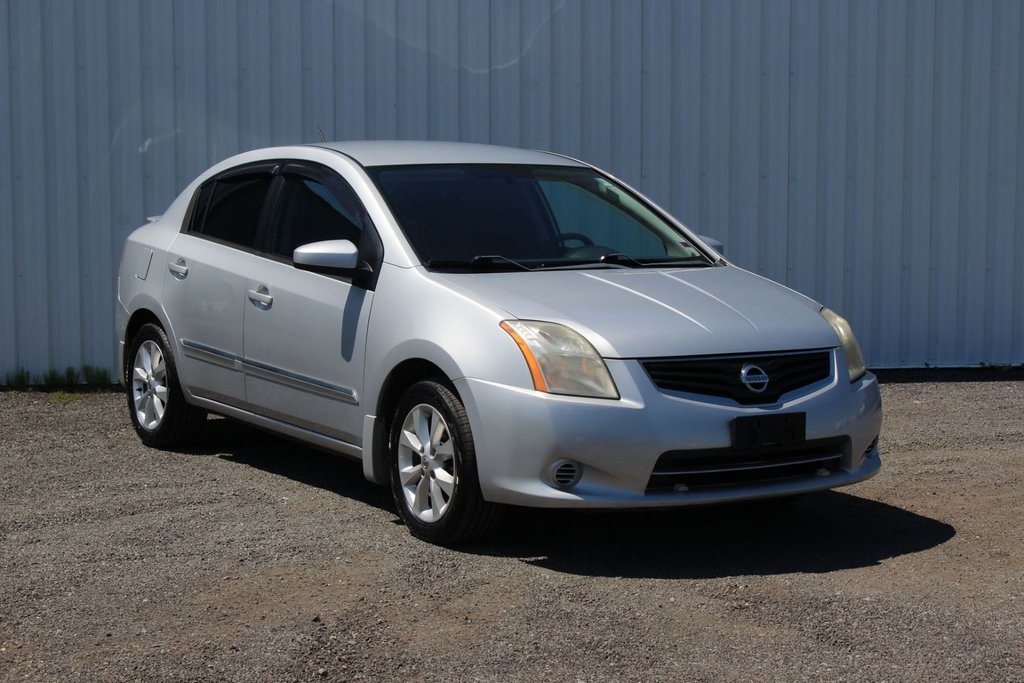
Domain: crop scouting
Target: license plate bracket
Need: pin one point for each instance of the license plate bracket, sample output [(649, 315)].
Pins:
[(778, 431)]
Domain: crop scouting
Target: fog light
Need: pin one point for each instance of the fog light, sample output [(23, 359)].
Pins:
[(565, 474)]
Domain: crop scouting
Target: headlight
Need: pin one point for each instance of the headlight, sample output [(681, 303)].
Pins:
[(561, 361), (854, 358)]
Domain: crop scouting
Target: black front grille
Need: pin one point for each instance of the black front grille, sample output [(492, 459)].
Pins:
[(720, 375), (711, 468)]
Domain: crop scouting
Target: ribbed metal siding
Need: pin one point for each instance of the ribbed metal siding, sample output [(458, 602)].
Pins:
[(868, 153)]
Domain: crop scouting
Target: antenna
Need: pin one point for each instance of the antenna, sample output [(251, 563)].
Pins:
[(322, 138)]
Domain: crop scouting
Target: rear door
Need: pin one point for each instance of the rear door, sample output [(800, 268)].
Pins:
[(205, 280), (305, 332)]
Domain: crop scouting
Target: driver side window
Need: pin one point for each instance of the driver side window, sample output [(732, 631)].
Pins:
[(311, 211)]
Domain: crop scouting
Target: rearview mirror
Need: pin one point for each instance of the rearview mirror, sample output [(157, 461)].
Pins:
[(329, 255), (713, 243)]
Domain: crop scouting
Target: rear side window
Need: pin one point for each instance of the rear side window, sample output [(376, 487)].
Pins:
[(230, 208), (312, 212)]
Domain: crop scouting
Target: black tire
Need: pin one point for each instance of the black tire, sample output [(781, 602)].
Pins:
[(468, 516), (181, 423)]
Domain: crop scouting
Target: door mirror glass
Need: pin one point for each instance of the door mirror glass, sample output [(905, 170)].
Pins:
[(330, 255)]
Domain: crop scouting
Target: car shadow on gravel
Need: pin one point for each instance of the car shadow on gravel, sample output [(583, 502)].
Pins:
[(817, 533), (820, 532), (245, 445)]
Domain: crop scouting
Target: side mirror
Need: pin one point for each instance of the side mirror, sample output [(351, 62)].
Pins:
[(331, 256), (713, 243)]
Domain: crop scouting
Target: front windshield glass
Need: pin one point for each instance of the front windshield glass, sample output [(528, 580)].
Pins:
[(526, 217)]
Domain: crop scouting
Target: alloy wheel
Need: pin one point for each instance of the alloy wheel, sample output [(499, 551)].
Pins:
[(149, 385), (426, 463)]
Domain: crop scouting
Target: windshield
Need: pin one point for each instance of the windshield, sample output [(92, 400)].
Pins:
[(512, 217)]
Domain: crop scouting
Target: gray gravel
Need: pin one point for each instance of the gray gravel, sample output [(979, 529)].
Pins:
[(253, 558)]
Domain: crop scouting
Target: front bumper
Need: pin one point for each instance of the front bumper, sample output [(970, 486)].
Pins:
[(520, 435)]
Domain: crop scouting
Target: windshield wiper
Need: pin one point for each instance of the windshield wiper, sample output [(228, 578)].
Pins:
[(689, 261), (497, 262), (481, 262), (618, 258), (496, 259)]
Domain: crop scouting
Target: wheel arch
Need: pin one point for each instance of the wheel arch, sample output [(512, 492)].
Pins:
[(399, 379), (138, 318)]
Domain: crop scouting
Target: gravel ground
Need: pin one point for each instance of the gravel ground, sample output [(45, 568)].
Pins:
[(253, 558)]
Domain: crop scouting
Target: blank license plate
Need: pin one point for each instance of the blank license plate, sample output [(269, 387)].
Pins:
[(788, 429)]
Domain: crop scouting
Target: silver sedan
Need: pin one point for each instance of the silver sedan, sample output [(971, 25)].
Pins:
[(483, 326)]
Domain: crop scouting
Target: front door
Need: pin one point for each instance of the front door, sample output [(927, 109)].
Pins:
[(305, 332)]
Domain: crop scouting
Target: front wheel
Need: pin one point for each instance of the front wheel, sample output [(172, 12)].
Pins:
[(160, 415), (433, 468)]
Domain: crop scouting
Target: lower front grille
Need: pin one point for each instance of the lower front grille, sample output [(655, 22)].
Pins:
[(713, 468)]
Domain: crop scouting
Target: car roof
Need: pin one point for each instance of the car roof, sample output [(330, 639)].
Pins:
[(414, 152)]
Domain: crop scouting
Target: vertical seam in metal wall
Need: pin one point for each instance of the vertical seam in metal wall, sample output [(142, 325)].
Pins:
[(820, 279), (9, 210), (211, 103), (173, 28), (988, 344), (789, 141), (702, 143), (644, 7), (398, 133), (49, 208), (551, 82), (81, 205), (965, 113), (932, 341), (584, 114), (876, 184), (903, 343), (115, 96), (672, 201), (848, 185), (1017, 296), (490, 71), (730, 205), (15, 233), (367, 109)]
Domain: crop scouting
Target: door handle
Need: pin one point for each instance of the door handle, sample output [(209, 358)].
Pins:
[(261, 297), (178, 268)]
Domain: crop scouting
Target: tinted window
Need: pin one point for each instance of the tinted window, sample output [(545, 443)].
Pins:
[(313, 212), (457, 212), (541, 216), (602, 222), (234, 210)]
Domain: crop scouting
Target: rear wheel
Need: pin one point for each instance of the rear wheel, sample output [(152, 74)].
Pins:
[(434, 477), (159, 413)]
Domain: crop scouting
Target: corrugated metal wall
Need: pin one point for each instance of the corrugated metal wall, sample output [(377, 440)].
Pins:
[(868, 153)]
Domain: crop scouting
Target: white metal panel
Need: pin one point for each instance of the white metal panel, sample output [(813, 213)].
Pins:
[(866, 152)]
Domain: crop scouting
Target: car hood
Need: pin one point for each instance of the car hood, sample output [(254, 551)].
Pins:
[(627, 313)]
